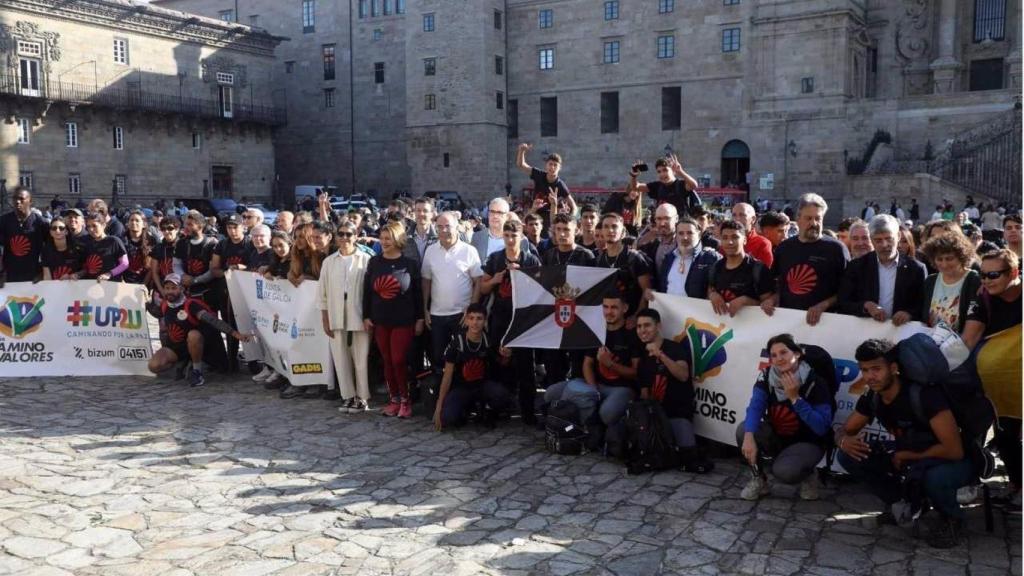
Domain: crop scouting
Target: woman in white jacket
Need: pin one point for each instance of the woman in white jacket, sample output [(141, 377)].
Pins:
[(341, 306)]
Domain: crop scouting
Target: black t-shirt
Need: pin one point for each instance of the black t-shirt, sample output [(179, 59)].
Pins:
[(808, 272), (182, 319), (898, 418), (542, 188), (391, 291), (619, 203), (164, 253), (501, 297), (675, 194), (257, 260), (22, 243), (631, 265), (102, 256), (115, 228), (750, 278), (60, 263), (676, 396), (280, 268), (233, 253), (195, 260), (578, 256), (995, 313), (137, 269), (471, 360), (625, 347)]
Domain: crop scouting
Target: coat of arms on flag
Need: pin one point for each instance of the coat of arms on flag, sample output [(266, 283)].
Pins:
[(558, 307)]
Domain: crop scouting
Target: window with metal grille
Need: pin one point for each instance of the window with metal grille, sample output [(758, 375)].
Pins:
[(611, 10), (118, 134), (387, 7), (329, 59), (609, 112), (428, 22), (546, 18), (25, 179), (731, 40), (120, 184), (24, 131), (666, 6), (499, 100), (33, 49), (328, 97), (430, 102), (363, 8), (375, 8), (730, 2), (671, 108), (447, 160), (547, 58), (498, 18), (611, 51), (549, 116), (399, 6), (513, 118), (666, 46), (308, 16), (71, 135), (807, 85), (378, 72), (499, 65), (225, 78), (197, 140), (429, 66), (989, 20), (74, 183), (121, 51)]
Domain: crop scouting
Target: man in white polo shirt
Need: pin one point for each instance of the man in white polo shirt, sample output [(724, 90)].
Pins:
[(451, 271)]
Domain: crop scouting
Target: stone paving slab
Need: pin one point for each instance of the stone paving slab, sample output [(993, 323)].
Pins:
[(140, 476)]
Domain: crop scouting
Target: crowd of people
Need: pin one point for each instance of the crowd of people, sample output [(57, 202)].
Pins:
[(427, 296)]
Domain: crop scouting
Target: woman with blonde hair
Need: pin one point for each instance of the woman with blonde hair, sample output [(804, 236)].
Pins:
[(305, 260)]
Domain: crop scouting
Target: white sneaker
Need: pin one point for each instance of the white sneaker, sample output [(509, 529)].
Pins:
[(809, 487), (968, 494), (274, 378), (263, 374), (757, 487)]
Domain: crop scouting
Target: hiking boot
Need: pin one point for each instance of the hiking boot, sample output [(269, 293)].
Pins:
[(757, 487), (405, 409), (195, 378), (946, 533), (392, 408), (809, 487)]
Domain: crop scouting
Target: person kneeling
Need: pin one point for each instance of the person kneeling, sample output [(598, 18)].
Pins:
[(465, 380), (926, 459), (186, 319), (663, 375), (788, 419)]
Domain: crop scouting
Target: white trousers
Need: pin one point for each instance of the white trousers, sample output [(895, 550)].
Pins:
[(350, 363)]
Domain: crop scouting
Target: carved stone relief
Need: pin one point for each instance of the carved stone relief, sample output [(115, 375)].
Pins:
[(913, 31)]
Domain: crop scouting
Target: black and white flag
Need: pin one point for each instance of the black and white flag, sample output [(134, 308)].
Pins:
[(558, 307)]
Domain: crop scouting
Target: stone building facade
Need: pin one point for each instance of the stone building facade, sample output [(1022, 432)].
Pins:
[(781, 96), (105, 95)]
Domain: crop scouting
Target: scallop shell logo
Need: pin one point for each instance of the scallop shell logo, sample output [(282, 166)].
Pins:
[(93, 264), (801, 279), (20, 245), (176, 333), (473, 370), (386, 287), (783, 420)]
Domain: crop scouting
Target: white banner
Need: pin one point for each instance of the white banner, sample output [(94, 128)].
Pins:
[(286, 320), (74, 328), (731, 352)]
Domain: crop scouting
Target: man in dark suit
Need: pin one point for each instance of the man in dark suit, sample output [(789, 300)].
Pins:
[(883, 284), (685, 271)]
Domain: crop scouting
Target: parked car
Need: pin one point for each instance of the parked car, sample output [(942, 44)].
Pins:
[(269, 214), (218, 207)]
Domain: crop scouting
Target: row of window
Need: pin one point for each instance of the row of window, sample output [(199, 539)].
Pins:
[(428, 21), (671, 113), (71, 135), (665, 48), (546, 16), (374, 8), (26, 178)]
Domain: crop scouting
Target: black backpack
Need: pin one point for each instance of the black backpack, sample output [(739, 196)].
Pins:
[(650, 445), (821, 362), (563, 430)]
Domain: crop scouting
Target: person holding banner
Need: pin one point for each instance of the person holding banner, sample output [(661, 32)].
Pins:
[(61, 256), (22, 234), (280, 264), (230, 253), (393, 312), (686, 269), (737, 280), (789, 418), (195, 253), (341, 285), (259, 258), (165, 258), (809, 266), (191, 326), (106, 257)]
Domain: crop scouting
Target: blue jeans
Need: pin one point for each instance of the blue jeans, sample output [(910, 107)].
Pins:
[(460, 400), (442, 328), (940, 479), (610, 402)]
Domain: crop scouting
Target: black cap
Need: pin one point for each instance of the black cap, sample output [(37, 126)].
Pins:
[(233, 219)]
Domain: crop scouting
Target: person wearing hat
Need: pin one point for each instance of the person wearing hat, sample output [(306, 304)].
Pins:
[(191, 325), (75, 219), (231, 253)]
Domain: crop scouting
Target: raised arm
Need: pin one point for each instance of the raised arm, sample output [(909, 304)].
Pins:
[(521, 151)]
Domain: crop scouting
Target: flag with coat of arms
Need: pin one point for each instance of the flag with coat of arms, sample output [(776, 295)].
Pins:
[(558, 307)]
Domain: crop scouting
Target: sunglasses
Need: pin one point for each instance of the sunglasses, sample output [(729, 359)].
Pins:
[(994, 274), (58, 228), (168, 228), (345, 234)]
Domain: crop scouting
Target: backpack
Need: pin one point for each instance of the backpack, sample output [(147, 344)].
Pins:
[(924, 362), (563, 430), (822, 364), (650, 445)]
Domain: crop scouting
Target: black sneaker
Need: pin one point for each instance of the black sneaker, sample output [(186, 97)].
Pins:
[(181, 370), (195, 378), (313, 392), (290, 391)]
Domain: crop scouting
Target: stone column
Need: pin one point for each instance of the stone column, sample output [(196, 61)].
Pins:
[(946, 68)]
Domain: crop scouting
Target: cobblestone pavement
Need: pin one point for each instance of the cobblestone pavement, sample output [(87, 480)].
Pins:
[(147, 477)]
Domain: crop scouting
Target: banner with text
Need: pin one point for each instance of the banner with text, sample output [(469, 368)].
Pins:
[(74, 328), (286, 320), (729, 352)]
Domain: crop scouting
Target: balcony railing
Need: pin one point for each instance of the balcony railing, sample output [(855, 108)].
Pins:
[(130, 97)]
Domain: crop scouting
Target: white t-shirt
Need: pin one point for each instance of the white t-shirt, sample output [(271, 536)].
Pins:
[(945, 306), (451, 274)]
